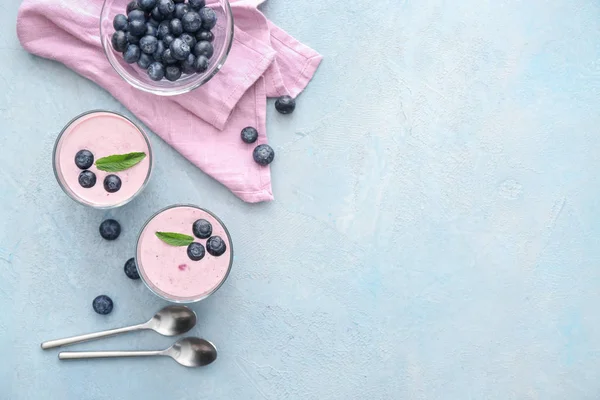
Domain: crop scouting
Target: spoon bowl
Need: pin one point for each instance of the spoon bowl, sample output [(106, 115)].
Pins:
[(173, 321), (192, 352)]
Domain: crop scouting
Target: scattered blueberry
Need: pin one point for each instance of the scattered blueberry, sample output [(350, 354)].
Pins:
[(160, 49), (181, 9), (201, 64), (112, 183), (156, 71), (151, 30), (136, 15), (110, 229), (173, 73), (188, 39), (249, 135), (120, 22), (132, 39), (168, 39), (264, 154), (215, 246), (205, 36), (197, 4), (137, 28), (187, 65), (195, 251), (175, 27), (202, 229), (166, 7), (179, 49), (209, 18), (131, 269), (103, 304), (163, 29), (84, 159), (119, 41), (168, 58), (157, 15), (87, 179), (148, 44), (285, 105), (191, 22), (132, 54), (147, 5), (145, 61), (132, 6), (204, 49)]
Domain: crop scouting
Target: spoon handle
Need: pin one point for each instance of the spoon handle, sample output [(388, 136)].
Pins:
[(81, 355), (90, 336)]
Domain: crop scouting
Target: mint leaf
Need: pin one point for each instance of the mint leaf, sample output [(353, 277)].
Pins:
[(175, 239), (119, 162)]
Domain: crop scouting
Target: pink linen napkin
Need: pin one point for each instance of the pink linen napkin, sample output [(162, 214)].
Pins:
[(204, 125)]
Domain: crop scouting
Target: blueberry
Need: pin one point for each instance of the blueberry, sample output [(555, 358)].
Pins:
[(202, 229), (151, 30), (163, 29), (201, 64), (188, 39), (205, 36), (179, 49), (132, 54), (166, 7), (103, 304), (181, 9), (148, 44), (204, 49), (132, 6), (249, 135), (285, 105), (137, 15), (175, 27), (215, 246), (187, 65), (160, 49), (195, 251), (156, 15), (209, 18), (156, 71), (112, 183), (147, 5), (110, 229), (168, 39), (131, 269), (191, 22), (263, 154), (119, 41), (173, 73), (197, 4), (132, 39), (120, 22), (137, 28), (87, 179), (145, 61), (84, 159), (168, 58)]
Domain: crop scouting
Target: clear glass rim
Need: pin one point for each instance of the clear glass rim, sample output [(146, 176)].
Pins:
[(82, 201), (168, 91), (165, 295)]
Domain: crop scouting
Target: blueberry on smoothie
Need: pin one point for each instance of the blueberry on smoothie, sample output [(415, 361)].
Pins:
[(87, 179), (202, 229), (188, 39), (163, 29), (285, 105), (249, 135), (187, 65), (151, 30), (195, 251), (120, 22), (132, 6), (201, 64), (176, 27), (131, 269), (209, 18), (181, 9), (156, 71), (148, 44), (166, 7), (147, 5), (179, 49), (112, 183), (132, 54), (145, 61), (137, 28), (110, 229), (263, 154), (168, 39), (103, 304), (173, 73), (203, 48), (192, 22), (136, 15), (156, 14), (215, 246), (168, 58), (84, 159), (206, 36), (119, 41), (132, 39), (197, 4), (160, 49)]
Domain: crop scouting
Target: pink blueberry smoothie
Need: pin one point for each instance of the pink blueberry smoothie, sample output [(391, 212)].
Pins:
[(171, 271), (101, 134)]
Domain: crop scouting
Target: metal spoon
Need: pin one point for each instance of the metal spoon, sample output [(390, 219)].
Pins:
[(189, 352), (170, 321)]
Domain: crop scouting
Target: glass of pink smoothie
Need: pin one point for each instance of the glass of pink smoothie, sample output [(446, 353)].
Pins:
[(168, 269), (101, 134)]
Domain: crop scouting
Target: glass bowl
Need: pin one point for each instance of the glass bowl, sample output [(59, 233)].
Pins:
[(138, 78)]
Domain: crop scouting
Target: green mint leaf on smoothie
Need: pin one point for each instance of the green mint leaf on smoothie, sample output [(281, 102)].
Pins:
[(175, 239), (119, 162)]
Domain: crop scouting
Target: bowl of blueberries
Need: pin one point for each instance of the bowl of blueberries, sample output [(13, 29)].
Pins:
[(166, 47)]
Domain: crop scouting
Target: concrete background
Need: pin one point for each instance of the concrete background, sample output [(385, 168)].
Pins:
[(435, 232)]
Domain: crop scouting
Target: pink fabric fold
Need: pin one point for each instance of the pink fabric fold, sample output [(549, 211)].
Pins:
[(204, 125)]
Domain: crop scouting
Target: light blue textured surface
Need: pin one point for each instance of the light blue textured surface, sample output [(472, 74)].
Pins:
[(435, 234)]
